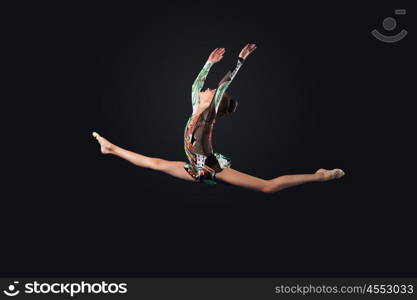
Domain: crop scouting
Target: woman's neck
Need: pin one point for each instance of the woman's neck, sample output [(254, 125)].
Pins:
[(201, 107)]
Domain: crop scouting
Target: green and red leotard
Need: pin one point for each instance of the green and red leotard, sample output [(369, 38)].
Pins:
[(204, 163)]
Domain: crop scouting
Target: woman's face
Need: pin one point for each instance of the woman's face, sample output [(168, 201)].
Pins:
[(206, 96)]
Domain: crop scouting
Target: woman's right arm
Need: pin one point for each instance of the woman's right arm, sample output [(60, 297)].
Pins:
[(198, 84)]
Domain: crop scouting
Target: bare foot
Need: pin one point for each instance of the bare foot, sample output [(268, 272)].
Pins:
[(330, 174), (105, 146)]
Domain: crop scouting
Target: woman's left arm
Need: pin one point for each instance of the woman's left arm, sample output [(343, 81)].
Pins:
[(225, 82)]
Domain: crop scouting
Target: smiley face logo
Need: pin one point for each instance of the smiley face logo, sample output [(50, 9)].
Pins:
[(11, 290), (390, 24)]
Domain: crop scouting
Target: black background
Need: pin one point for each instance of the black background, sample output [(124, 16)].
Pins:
[(319, 91)]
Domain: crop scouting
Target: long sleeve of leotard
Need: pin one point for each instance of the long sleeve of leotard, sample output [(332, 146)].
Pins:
[(198, 84), (225, 82)]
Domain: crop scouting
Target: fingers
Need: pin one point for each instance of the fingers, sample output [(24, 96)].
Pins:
[(213, 52), (216, 55), (218, 51), (221, 52), (248, 49), (251, 47)]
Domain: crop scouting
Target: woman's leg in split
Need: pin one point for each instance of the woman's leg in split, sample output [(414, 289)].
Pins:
[(237, 178), (173, 168)]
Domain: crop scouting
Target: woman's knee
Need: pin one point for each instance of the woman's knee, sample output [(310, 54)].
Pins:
[(270, 187), (158, 164), (266, 187), (167, 166)]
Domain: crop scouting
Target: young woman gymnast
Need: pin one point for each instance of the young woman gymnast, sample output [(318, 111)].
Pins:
[(205, 165)]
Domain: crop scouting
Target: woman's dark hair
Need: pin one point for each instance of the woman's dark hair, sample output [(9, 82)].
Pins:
[(227, 106)]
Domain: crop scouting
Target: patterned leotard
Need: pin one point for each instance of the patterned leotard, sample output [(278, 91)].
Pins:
[(203, 162)]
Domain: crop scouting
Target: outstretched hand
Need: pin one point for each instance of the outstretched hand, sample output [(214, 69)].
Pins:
[(216, 55), (248, 49)]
